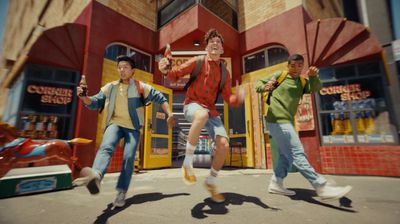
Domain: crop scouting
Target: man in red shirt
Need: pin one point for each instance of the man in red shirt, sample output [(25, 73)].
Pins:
[(200, 107)]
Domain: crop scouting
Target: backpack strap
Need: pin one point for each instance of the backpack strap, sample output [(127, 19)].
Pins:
[(140, 90), (196, 71), (303, 82), (224, 74), (139, 87), (280, 79)]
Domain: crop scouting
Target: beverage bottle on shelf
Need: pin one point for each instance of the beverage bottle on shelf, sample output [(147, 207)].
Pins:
[(83, 85), (347, 123), (360, 122), (369, 122)]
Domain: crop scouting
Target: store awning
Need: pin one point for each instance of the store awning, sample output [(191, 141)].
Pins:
[(337, 41), (61, 46)]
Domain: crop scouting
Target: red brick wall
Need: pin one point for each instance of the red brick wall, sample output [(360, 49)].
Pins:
[(361, 160)]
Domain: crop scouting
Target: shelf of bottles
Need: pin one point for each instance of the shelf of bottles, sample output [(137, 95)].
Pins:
[(364, 124), (40, 126)]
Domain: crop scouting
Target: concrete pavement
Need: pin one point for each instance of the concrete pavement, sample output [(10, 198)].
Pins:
[(159, 196)]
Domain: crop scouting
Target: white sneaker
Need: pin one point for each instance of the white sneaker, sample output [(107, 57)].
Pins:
[(276, 187), (327, 191), (120, 199)]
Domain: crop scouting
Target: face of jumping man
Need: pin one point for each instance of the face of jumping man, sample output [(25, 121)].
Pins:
[(214, 46), (125, 71), (295, 68)]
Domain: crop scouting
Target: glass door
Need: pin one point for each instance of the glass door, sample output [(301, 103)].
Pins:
[(238, 122), (157, 151)]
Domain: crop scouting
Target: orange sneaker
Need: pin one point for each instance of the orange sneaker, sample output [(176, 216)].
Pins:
[(215, 196), (187, 178)]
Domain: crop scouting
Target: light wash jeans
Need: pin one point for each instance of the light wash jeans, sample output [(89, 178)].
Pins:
[(291, 151), (111, 137)]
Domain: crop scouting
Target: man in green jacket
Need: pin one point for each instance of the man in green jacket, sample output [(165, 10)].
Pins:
[(285, 94)]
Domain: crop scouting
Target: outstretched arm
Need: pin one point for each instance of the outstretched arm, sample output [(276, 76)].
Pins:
[(313, 81), (178, 71)]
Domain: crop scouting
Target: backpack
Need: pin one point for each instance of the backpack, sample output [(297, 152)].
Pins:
[(197, 70), (280, 79)]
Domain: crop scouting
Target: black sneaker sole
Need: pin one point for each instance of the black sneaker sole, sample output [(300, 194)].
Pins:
[(93, 186)]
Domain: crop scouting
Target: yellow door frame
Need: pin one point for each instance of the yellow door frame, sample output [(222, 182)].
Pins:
[(248, 156), (156, 157)]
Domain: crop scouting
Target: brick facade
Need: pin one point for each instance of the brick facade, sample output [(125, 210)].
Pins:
[(252, 13)]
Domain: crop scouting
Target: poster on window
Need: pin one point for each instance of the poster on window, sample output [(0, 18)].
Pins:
[(304, 120)]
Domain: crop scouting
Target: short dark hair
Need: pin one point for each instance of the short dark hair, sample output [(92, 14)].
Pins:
[(127, 59), (211, 33), (295, 57)]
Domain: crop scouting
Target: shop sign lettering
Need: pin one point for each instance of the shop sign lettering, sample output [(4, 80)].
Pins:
[(347, 92), (52, 95)]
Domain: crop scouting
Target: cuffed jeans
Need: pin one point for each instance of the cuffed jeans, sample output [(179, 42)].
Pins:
[(111, 137), (291, 151)]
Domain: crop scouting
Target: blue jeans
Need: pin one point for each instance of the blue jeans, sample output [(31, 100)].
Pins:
[(111, 137), (291, 151)]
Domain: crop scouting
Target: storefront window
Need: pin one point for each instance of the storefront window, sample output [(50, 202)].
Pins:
[(48, 102), (353, 105), (142, 60), (265, 58), (224, 10), (171, 9)]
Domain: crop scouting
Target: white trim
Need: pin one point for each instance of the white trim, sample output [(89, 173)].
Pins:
[(35, 175)]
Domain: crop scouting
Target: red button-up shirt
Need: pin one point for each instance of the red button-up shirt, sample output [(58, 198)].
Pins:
[(204, 89)]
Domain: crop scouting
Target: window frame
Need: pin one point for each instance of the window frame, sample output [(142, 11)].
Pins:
[(266, 57), (129, 50), (352, 111)]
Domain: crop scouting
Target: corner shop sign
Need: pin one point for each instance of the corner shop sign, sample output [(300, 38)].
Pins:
[(347, 92), (51, 95)]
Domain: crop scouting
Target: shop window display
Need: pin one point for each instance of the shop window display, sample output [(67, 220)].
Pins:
[(353, 106), (48, 102)]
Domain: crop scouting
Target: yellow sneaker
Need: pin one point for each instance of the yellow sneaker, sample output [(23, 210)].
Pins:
[(215, 196), (187, 178)]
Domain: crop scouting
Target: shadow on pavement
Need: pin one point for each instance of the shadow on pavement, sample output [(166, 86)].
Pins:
[(308, 196), (136, 199), (200, 210)]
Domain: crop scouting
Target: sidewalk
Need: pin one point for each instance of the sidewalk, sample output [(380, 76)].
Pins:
[(159, 196)]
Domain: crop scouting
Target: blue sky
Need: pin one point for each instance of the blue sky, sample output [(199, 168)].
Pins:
[(3, 14)]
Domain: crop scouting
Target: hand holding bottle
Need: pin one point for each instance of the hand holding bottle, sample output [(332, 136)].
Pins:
[(165, 64), (82, 88)]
